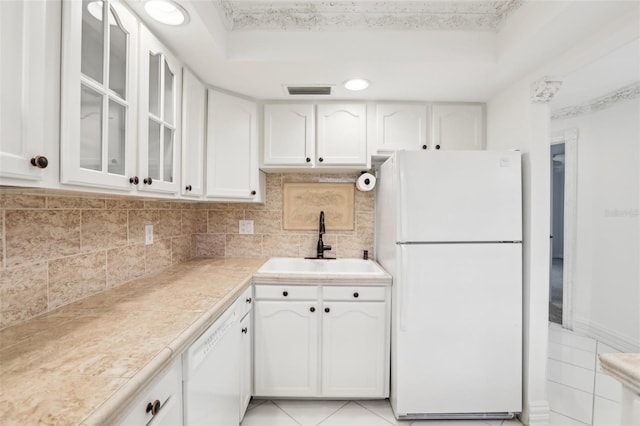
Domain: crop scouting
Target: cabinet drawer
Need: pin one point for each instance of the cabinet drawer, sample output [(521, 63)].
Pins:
[(167, 390), (353, 293), (286, 292)]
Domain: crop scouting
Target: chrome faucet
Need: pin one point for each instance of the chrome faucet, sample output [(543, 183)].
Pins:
[(321, 245)]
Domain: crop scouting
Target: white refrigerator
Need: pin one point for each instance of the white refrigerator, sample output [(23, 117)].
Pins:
[(449, 230)]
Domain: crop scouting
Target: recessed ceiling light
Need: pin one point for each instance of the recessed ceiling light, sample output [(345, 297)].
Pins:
[(166, 12), (356, 84), (95, 9)]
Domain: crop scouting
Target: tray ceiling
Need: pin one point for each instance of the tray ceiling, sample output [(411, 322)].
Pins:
[(243, 15)]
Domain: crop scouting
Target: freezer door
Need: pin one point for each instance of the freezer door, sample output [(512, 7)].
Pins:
[(458, 335), (459, 196)]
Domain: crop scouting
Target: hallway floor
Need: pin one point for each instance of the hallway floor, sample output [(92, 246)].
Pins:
[(340, 413)]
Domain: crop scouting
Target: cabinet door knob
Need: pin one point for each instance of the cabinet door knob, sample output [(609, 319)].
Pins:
[(285, 293), (253, 192), (153, 407), (308, 160), (327, 310), (187, 188), (321, 159), (424, 147), (312, 309), (134, 180), (356, 295), (437, 146), (40, 161), (248, 300), (244, 330), (148, 181)]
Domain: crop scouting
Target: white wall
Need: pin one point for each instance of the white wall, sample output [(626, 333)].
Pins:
[(514, 122), (606, 301)]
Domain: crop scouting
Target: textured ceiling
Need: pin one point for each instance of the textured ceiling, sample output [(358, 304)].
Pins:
[(243, 15)]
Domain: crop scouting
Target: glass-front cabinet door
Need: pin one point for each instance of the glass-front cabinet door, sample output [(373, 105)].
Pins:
[(159, 112), (99, 49)]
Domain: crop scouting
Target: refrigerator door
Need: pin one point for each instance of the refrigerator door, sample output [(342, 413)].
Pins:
[(458, 329), (459, 196)]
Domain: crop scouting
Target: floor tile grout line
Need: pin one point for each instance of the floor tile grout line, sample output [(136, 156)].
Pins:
[(573, 365), (288, 415), (570, 387), (569, 417), (339, 408), (374, 413), (570, 363)]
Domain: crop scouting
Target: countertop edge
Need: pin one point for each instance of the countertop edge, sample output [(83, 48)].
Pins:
[(618, 365), (118, 404), (316, 279)]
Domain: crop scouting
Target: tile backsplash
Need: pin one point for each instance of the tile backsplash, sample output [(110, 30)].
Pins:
[(218, 234), (57, 248)]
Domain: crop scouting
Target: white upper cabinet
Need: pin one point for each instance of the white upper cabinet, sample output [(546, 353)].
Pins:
[(458, 126), (98, 115), (29, 84), (335, 137), (194, 115), (401, 127), (342, 134), (159, 115), (232, 149), (288, 135)]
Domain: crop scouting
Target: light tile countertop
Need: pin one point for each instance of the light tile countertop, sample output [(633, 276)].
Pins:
[(84, 362), (625, 367)]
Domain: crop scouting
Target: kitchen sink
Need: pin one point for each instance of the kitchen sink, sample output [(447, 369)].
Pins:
[(294, 265)]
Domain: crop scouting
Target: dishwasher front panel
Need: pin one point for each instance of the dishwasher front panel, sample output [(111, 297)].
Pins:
[(211, 371)]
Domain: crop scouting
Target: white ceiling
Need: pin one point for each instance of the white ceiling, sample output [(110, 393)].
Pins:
[(423, 50)]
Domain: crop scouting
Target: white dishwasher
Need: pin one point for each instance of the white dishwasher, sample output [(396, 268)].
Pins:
[(211, 372)]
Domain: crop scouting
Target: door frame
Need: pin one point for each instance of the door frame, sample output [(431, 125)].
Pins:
[(570, 139)]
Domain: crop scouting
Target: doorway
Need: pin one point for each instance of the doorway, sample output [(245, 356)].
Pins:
[(557, 232), (564, 180)]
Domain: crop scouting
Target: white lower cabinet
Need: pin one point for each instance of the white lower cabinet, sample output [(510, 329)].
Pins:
[(353, 349), (332, 345), (286, 348), (161, 403), (246, 350)]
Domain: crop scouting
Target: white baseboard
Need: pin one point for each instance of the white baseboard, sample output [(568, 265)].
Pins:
[(535, 413), (606, 335)]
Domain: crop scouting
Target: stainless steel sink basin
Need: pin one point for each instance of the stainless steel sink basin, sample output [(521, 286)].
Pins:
[(294, 265)]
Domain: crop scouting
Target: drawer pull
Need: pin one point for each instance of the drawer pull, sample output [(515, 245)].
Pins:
[(244, 330), (285, 293), (327, 310), (153, 407), (356, 295), (248, 300), (312, 309)]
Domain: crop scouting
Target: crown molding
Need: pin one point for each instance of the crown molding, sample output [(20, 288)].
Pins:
[(367, 15), (631, 91)]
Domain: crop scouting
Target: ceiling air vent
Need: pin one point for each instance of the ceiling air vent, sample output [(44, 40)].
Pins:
[(309, 90)]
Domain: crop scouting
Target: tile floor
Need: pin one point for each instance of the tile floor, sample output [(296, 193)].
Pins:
[(340, 413), (579, 393)]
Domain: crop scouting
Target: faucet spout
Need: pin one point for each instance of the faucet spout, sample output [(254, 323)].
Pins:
[(322, 247), (321, 229)]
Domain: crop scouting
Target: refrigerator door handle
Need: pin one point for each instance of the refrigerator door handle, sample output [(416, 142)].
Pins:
[(403, 294)]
